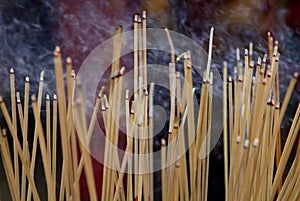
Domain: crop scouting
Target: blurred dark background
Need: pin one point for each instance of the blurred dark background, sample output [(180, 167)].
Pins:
[(30, 29)]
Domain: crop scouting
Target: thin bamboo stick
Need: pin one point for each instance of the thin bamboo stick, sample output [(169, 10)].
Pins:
[(6, 157), (46, 161), (14, 120), (19, 149)]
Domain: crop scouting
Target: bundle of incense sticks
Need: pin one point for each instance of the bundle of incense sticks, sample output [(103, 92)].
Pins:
[(258, 167), (252, 118)]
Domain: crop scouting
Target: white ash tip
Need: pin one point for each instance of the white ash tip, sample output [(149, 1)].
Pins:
[(127, 94), (163, 142), (69, 60), (11, 71), (47, 97), (246, 143), (259, 61), (295, 75), (33, 98), (144, 14), (238, 139), (255, 142), (42, 76), (4, 132), (54, 96), (27, 79), (18, 97)]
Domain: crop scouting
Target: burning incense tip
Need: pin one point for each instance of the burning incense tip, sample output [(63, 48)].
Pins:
[(135, 18), (54, 96), (229, 79), (144, 14), (250, 48), (18, 97), (255, 142), (57, 49), (42, 76), (33, 98), (73, 74), (27, 79), (47, 97), (259, 61), (295, 75), (265, 58), (246, 52), (69, 60), (246, 143), (4, 132), (11, 71), (122, 71), (163, 142), (1, 99), (127, 94), (238, 139)]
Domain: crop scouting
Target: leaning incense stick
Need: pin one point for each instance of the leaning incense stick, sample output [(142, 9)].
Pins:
[(54, 141), (144, 30), (25, 125), (5, 153), (286, 151), (46, 161), (62, 114), (19, 149), (79, 111), (14, 120), (35, 137), (209, 52), (225, 137), (48, 127), (163, 172)]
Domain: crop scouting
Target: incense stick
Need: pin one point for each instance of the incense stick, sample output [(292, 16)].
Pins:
[(19, 149), (5, 153), (45, 157)]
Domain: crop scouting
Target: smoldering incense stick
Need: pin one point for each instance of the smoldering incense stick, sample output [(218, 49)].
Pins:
[(19, 149), (7, 164), (26, 106), (48, 127), (54, 141), (14, 120), (209, 52), (225, 137), (46, 161), (62, 113), (35, 137)]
